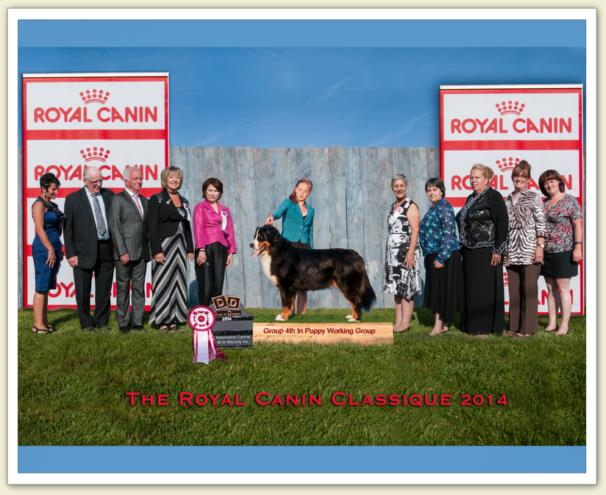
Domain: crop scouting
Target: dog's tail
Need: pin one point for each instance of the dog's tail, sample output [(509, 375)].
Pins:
[(367, 293)]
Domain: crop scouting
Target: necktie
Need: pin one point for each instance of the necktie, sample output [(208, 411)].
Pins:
[(138, 204), (101, 227)]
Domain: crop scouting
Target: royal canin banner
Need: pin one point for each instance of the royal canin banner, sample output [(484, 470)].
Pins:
[(500, 125), (109, 121)]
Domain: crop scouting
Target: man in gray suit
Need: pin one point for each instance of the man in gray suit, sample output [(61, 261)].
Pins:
[(131, 248)]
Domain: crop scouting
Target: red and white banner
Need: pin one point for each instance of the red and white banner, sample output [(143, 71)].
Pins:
[(110, 121), (499, 126)]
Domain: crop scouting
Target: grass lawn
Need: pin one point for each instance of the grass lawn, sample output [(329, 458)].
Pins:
[(72, 388)]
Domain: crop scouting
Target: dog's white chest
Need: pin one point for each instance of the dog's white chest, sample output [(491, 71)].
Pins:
[(266, 266)]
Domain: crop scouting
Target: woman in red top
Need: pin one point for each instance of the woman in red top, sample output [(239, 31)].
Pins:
[(215, 241)]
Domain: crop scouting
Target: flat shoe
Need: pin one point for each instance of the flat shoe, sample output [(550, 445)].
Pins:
[(163, 328), (41, 331)]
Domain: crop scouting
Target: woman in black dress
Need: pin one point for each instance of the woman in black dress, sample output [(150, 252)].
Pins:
[(483, 224)]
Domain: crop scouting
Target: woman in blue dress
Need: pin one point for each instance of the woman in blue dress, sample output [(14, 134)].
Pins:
[(297, 225), (46, 249), (443, 268)]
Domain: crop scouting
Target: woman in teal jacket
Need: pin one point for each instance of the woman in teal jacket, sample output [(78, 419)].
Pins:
[(297, 224)]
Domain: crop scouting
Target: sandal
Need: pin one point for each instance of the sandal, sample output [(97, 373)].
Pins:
[(402, 330), (551, 330), (41, 331), (173, 327), (50, 328), (163, 328)]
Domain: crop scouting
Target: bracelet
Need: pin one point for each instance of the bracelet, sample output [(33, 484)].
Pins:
[(578, 242)]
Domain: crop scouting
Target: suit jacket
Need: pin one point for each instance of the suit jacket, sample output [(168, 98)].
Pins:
[(128, 230), (80, 233), (163, 220), (295, 228)]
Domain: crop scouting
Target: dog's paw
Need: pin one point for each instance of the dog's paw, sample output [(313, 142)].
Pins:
[(280, 318)]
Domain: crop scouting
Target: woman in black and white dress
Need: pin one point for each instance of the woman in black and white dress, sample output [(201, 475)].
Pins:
[(403, 254), (171, 242), (524, 255)]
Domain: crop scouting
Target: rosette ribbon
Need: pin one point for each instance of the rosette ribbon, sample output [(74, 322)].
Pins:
[(201, 320)]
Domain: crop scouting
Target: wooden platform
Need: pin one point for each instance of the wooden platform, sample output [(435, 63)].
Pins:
[(324, 333)]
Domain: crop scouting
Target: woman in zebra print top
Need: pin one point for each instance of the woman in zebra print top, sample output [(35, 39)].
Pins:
[(524, 255)]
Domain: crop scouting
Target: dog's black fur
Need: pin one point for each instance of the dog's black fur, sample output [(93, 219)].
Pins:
[(294, 269)]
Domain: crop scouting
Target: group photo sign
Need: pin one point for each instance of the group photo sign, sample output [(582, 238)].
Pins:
[(501, 125), (71, 121)]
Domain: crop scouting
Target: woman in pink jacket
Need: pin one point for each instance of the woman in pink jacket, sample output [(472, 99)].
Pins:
[(214, 241)]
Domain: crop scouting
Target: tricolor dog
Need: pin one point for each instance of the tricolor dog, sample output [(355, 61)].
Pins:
[(292, 269)]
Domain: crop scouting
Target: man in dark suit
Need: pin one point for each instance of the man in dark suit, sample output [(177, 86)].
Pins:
[(88, 247), (131, 248)]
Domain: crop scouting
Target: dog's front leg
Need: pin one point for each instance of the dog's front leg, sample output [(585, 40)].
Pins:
[(288, 305)]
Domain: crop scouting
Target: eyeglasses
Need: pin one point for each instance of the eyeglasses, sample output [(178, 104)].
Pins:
[(98, 181)]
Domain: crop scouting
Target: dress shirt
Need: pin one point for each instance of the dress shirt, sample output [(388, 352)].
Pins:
[(137, 201), (90, 195)]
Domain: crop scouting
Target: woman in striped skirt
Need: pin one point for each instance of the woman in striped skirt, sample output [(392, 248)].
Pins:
[(171, 242)]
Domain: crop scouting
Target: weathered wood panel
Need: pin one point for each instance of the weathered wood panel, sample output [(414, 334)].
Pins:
[(351, 195)]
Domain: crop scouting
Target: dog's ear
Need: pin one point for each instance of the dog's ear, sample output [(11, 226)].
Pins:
[(272, 234)]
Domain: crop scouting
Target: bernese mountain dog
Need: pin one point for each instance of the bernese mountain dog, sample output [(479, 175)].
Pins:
[(292, 269)]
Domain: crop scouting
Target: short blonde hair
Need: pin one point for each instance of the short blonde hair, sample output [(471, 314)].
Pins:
[(166, 172), (486, 171)]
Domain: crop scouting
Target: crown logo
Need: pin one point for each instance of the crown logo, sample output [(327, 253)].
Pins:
[(94, 153), (506, 164), (94, 96), (510, 106)]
